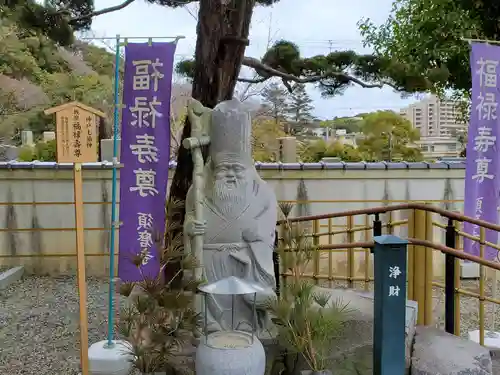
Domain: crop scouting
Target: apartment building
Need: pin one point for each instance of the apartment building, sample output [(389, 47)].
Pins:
[(434, 118), (439, 147)]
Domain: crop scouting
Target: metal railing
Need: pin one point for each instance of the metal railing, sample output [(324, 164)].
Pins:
[(420, 225), (345, 239)]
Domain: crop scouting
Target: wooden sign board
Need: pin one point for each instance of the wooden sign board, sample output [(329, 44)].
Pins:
[(76, 132)]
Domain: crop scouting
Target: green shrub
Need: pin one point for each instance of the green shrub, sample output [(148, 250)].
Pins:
[(26, 153), (42, 151), (46, 151)]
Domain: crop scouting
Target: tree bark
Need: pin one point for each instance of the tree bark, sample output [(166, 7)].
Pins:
[(222, 38)]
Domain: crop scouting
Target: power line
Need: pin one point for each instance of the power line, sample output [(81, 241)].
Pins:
[(327, 42)]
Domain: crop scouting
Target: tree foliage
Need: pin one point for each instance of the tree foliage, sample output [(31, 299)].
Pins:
[(35, 74), (47, 20), (223, 32), (487, 14), (332, 73), (316, 150), (299, 108), (275, 103), (428, 36), (292, 109), (349, 124), (264, 139), (10, 122), (387, 136)]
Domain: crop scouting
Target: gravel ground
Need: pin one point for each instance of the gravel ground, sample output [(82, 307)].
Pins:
[(469, 308), (39, 322)]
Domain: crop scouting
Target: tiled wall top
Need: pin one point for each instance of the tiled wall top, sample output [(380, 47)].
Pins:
[(263, 166)]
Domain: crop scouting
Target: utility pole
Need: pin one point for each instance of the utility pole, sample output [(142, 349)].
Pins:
[(390, 146), (389, 136)]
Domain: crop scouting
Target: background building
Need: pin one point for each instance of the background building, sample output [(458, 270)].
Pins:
[(439, 147), (434, 117)]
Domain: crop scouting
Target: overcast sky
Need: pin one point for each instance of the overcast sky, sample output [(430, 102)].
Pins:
[(317, 26)]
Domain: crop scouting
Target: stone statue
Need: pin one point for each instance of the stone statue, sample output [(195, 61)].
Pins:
[(239, 220)]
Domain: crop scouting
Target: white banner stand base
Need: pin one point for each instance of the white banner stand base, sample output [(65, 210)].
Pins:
[(115, 360)]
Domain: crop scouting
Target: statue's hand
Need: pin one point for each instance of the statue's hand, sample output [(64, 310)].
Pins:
[(196, 228), (251, 234)]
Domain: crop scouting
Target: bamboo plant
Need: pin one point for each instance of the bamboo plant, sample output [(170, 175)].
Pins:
[(160, 320), (308, 322)]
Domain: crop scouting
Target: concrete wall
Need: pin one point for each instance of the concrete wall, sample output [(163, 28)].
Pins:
[(37, 217)]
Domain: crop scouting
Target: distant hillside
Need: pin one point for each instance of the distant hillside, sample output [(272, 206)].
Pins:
[(36, 74)]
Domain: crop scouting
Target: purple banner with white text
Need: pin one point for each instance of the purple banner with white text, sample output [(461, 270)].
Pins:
[(481, 175), (145, 153)]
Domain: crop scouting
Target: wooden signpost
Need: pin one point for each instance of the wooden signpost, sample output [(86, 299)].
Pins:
[(77, 143)]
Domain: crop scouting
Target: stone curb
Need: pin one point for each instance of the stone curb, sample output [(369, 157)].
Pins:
[(7, 278)]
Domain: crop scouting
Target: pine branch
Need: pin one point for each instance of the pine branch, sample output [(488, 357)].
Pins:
[(268, 72), (126, 3), (110, 9)]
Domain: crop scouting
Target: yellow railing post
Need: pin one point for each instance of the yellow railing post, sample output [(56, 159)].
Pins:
[(482, 279), (411, 256), (389, 224), (350, 252), (429, 269), (368, 237), (419, 232), (330, 253), (282, 244), (317, 253), (420, 262), (457, 280)]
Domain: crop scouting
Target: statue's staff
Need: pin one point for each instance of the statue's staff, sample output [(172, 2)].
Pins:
[(199, 117)]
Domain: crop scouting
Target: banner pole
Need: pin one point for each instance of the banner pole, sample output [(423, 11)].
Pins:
[(114, 224), (82, 283)]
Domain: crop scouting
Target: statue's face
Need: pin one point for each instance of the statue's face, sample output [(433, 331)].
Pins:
[(230, 173)]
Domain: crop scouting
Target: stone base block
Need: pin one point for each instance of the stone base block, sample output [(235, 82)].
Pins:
[(491, 339), (353, 351), (7, 278), (438, 352), (469, 270), (104, 360)]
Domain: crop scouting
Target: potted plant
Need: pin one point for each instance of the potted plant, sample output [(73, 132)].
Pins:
[(159, 321), (308, 322)]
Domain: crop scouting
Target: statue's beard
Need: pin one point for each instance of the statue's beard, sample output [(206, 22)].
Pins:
[(230, 198)]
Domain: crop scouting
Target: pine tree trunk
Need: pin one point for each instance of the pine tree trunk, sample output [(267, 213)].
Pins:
[(222, 38)]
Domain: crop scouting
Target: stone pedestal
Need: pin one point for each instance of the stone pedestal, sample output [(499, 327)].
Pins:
[(104, 360), (49, 136), (27, 138), (107, 149), (230, 353), (287, 149)]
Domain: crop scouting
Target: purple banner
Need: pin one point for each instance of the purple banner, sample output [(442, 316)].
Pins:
[(481, 175), (145, 153)]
